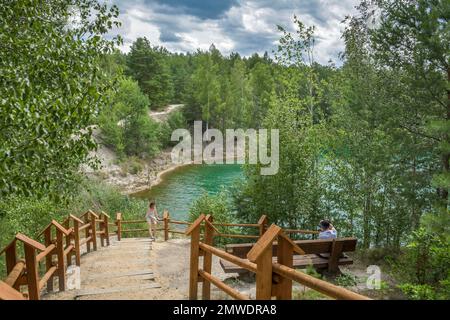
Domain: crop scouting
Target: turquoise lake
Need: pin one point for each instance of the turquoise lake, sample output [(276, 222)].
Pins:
[(181, 187)]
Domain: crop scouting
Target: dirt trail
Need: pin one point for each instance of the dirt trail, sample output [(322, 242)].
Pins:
[(161, 116)]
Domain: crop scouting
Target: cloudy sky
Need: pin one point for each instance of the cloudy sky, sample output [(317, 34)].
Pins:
[(244, 26)]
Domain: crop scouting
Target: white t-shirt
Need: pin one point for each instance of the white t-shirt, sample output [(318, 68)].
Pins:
[(328, 234)]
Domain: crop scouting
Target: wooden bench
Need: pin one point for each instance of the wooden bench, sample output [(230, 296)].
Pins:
[(331, 253)]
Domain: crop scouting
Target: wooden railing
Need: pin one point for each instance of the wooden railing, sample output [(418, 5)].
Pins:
[(167, 223), (272, 279), (61, 240)]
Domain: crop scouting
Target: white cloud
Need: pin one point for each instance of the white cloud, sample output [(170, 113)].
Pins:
[(246, 27)]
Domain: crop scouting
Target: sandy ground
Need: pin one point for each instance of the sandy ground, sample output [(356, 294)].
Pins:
[(168, 261)]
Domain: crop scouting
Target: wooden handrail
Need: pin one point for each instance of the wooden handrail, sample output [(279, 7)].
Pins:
[(21, 272), (30, 242), (243, 263), (15, 274), (321, 286), (272, 279), (9, 293), (230, 235), (195, 224), (219, 284), (46, 252), (264, 242), (300, 231)]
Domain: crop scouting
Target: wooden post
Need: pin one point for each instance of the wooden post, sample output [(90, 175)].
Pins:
[(119, 225), (102, 233), (261, 254), (11, 258), (106, 227), (61, 265), (283, 289), (70, 253), (92, 216), (76, 237), (166, 225), (207, 257), (194, 231), (333, 262), (32, 272), (86, 233), (262, 224), (49, 257), (30, 246)]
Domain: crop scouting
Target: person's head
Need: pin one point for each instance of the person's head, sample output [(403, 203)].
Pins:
[(151, 205), (324, 225)]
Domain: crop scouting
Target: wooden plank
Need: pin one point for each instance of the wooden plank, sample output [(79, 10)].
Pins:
[(12, 243), (308, 246), (336, 251), (321, 286), (264, 271), (195, 224), (207, 258), (295, 247), (8, 293), (36, 245), (93, 214), (60, 228), (283, 289), (16, 272), (91, 292), (299, 262), (61, 260), (229, 258), (263, 243), (32, 272), (193, 262), (229, 235), (75, 218), (107, 275), (208, 278), (46, 252), (144, 261), (47, 276), (103, 213)]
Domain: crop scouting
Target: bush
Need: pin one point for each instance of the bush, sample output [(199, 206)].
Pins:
[(424, 266), (218, 207)]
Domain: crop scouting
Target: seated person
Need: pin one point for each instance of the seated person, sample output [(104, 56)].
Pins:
[(327, 231)]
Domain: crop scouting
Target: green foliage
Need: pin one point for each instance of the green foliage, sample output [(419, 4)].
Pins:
[(423, 268), (51, 86), (148, 65), (125, 124), (176, 120), (310, 270), (346, 280), (216, 205), (219, 207)]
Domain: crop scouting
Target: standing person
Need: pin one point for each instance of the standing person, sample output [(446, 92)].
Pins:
[(152, 219), (327, 231)]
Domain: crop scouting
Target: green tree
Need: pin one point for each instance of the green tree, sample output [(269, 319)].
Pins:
[(148, 66), (126, 125), (51, 88)]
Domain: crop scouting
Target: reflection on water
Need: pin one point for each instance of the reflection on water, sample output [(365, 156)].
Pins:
[(182, 186)]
